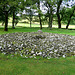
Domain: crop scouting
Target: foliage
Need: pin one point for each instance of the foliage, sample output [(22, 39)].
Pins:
[(51, 8)]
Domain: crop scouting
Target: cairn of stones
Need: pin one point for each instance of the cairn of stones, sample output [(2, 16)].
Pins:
[(33, 44)]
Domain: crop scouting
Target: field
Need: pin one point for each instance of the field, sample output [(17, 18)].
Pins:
[(40, 66)]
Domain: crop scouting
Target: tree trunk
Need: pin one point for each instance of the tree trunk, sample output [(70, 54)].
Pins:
[(50, 21), (30, 22), (50, 18), (13, 22), (6, 21), (3, 23), (39, 15), (58, 15), (16, 23), (59, 21), (68, 24), (30, 17), (40, 22), (70, 19)]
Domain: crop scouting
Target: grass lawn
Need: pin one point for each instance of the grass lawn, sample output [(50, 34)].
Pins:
[(22, 66), (35, 29)]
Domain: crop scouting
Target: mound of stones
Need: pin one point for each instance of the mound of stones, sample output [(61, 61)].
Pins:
[(32, 44)]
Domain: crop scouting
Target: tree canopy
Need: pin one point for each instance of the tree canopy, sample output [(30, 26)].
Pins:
[(45, 10)]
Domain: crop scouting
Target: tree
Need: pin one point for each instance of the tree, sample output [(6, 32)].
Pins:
[(58, 12), (2, 17), (13, 21), (50, 9), (14, 11), (39, 14), (29, 10), (6, 6), (70, 17), (38, 5), (18, 5), (68, 11)]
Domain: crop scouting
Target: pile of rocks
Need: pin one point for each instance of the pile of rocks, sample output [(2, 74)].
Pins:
[(34, 44)]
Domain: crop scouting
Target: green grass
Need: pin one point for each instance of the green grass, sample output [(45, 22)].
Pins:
[(35, 29), (23, 66), (42, 66)]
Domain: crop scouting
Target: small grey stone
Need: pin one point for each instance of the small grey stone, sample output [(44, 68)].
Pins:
[(40, 31)]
